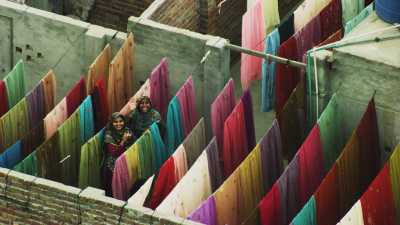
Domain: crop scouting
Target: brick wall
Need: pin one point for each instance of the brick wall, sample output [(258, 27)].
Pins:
[(178, 13), (25, 199), (115, 13)]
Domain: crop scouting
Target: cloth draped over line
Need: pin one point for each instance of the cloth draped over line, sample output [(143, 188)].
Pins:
[(86, 117), (174, 125), (221, 107), (100, 105), (160, 92), (15, 83), (75, 96), (28, 165), (354, 217), (99, 69), (206, 213), (33, 139), (55, 118), (253, 34), (36, 105), (144, 90), (249, 119), (11, 157), (3, 98), (187, 99), (120, 80), (214, 166), (394, 163), (308, 10), (48, 159), (49, 88)]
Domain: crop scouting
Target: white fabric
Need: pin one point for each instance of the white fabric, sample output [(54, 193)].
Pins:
[(139, 197), (354, 216), (190, 192)]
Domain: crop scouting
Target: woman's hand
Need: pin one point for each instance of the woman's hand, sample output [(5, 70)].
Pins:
[(126, 137)]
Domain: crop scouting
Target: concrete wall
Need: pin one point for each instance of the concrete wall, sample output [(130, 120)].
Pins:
[(25, 199), (358, 70), (184, 50), (46, 41)]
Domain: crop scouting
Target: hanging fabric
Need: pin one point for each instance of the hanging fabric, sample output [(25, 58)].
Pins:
[(99, 69), (354, 216), (195, 142), (146, 155), (15, 83), (139, 198), (29, 165), (33, 139), (286, 29), (331, 19), (160, 87), (3, 98), (206, 213), (174, 125), (55, 118), (48, 159), (86, 119), (253, 34), (12, 156), (394, 163), (229, 195), (160, 152), (187, 100), (122, 179), (49, 88), (308, 214), (327, 199), (272, 43), (249, 119), (270, 206), (75, 96), (100, 105), (36, 104), (271, 155), (214, 166), (221, 107), (307, 11)]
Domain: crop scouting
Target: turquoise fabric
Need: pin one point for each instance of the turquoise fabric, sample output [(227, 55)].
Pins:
[(174, 125), (15, 83), (160, 152), (358, 19), (272, 43), (86, 118), (331, 131), (29, 165), (351, 8), (308, 215), (11, 156)]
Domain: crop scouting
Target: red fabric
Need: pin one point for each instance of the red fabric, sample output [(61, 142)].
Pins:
[(75, 96), (115, 150), (330, 19), (164, 184), (100, 104), (287, 77), (368, 136), (187, 101), (159, 88), (3, 98), (333, 38), (235, 139), (269, 208), (253, 34), (367, 2), (308, 37), (311, 165), (377, 202), (327, 199)]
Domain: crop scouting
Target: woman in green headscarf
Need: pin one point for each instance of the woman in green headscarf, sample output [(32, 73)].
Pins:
[(117, 138), (143, 116)]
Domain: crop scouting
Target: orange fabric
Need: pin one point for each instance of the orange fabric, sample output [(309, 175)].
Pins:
[(99, 69), (49, 86)]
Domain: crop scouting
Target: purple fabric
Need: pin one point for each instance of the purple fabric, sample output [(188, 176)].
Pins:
[(159, 87), (187, 100), (206, 213), (220, 110), (271, 156), (36, 105), (308, 37), (120, 179), (214, 166), (288, 184), (249, 119)]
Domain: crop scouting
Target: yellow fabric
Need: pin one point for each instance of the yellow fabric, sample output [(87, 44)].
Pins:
[(90, 163), (271, 15), (395, 178), (250, 183), (14, 124), (307, 11), (354, 216), (227, 200), (132, 158), (99, 69)]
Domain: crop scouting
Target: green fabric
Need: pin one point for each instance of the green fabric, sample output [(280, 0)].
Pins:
[(358, 19), (70, 145), (195, 142), (146, 156), (90, 162), (330, 124), (139, 122), (395, 178), (15, 83), (29, 165), (48, 156), (308, 215), (15, 124), (351, 8)]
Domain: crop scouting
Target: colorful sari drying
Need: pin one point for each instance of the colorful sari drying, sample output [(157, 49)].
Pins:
[(86, 119), (3, 98), (159, 81), (187, 100), (15, 83), (99, 69), (49, 87), (75, 96), (174, 125)]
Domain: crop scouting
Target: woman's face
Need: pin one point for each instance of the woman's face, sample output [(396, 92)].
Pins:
[(144, 106), (118, 123)]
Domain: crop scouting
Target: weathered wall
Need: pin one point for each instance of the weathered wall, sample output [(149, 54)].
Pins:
[(184, 50), (25, 199), (46, 41)]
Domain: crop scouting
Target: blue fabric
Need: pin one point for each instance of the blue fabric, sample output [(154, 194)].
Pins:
[(308, 215), (160, 152), (272, 43), (11, 156), (358, 19), (174, 125), (86, 119)]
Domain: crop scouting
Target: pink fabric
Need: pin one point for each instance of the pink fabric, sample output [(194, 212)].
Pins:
[(131, 105), (308, 37), (120, 180), (253, 34), (159, 83), (55, 118), (311, 167), (187, 100), (220, 110), (235, 140)]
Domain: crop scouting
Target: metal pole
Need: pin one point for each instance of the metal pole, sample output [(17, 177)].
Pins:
[(267, 56)]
